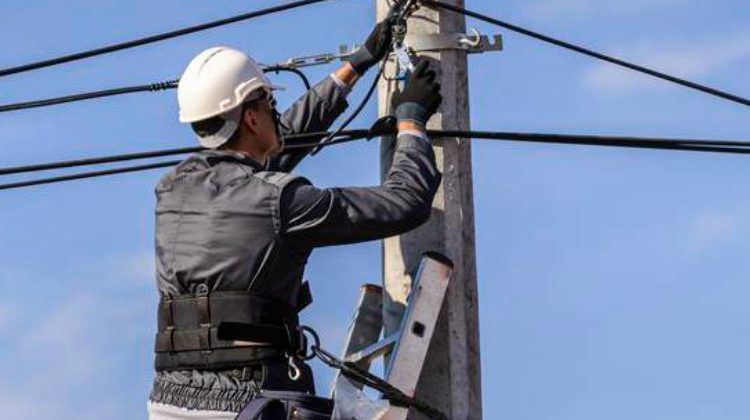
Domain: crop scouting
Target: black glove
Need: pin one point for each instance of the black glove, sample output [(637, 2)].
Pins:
[(420, 98), (378, 44)]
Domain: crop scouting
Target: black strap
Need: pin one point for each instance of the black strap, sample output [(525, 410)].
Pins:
[(259, 406), (165, 313), (206, 322), (304, 297), (260, 335), (262, 406), (202, 303), (394, 395)]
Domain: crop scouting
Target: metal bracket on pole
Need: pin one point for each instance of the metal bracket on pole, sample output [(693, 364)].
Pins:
[(471, 43)]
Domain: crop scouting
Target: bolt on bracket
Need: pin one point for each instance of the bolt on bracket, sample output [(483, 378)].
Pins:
[(471, 43)]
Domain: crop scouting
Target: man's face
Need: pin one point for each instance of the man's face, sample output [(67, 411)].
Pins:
[(267, 134)]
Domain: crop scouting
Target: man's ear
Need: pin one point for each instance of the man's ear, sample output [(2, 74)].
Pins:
[(250, 120)]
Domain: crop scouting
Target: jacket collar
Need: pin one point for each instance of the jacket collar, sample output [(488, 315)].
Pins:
[(217, 155)]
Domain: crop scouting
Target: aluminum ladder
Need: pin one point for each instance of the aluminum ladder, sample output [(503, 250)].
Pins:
[(404, 352)]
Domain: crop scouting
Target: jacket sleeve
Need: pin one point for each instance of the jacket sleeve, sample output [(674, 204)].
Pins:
[(316, 217), (315, 111)]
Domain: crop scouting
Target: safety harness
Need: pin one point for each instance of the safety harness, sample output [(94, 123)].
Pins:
[(201, 330)]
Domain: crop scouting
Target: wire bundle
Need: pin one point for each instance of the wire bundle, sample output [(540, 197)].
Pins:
[(341, 135)]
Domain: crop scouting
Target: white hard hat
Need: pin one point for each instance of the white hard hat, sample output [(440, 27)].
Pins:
[(216, 83)]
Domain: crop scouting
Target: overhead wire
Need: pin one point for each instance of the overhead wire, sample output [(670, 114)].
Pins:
[(397, 12), (298, 72), (65, 164), (670, 144), (687, 145), (129, 169), (151, 87), (585, 51), (154, 38), (160, 86), (354, 114), (341, 134), (14, 170), (84, 175)]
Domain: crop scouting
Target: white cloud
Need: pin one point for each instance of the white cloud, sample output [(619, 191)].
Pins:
[(578, 8), (711, 229), (687, 60)]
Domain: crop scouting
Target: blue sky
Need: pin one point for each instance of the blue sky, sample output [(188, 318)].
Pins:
[(613, 283)]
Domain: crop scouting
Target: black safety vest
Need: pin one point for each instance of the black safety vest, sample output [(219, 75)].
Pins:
[(225, 299)]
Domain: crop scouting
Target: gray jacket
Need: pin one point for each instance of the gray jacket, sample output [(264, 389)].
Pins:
[(225, 222)]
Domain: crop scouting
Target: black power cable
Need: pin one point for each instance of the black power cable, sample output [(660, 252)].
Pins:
[(354, 114), (154, 38), (689, 145), (96, 161), (128, 169), (14, 170), (590, 53), (153, 87), (298, 72), (85, 175)]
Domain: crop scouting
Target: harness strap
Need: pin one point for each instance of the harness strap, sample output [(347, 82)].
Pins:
[(226, 335), (206, 322), (259, 406), (165, 313), (212, 330), (304, 297)]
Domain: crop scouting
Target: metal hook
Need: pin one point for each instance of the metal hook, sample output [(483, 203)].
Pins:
[(294, 372), (473, 43)]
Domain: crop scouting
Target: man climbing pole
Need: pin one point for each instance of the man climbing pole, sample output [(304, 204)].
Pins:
[(234, 228)]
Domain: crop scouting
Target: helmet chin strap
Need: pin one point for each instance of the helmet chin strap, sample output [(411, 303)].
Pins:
[(278, 125)]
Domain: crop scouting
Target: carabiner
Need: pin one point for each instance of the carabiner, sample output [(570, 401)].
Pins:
[(294, 372)]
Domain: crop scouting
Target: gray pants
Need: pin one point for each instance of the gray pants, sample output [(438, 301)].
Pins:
[(158, 411)]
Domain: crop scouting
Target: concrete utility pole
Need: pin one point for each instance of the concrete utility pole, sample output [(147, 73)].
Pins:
[(451, 378)]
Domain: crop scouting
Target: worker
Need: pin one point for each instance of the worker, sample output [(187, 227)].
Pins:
[(234, 228)]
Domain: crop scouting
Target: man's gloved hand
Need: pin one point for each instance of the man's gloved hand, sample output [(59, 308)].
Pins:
[(378, 44), (420, 98)]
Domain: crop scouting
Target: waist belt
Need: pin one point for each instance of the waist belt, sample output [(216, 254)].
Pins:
[(219, 329)]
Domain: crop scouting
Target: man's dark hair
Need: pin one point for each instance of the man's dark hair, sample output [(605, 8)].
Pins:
[(211, 126), (208, 127)]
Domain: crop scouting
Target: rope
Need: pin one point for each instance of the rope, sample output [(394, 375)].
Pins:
[(591, 53), (389, 392), (154, 38)]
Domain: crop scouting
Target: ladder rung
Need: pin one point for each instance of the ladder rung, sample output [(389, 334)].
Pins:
[(372, 352)]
